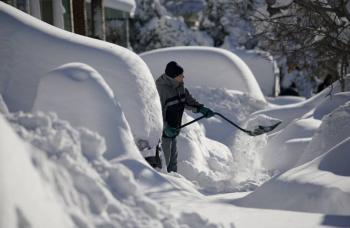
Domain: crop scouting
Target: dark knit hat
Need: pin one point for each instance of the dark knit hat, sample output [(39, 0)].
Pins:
[(173, 69)]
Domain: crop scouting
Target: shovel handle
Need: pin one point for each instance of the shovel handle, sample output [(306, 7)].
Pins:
[(242, 129), (216, 113), (191, 122)]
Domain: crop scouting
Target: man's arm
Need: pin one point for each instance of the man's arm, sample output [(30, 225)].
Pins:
[(191, 103), (195, 106)]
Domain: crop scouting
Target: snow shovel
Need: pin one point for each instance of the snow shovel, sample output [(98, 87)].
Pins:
[(155, 161), (257, 131)]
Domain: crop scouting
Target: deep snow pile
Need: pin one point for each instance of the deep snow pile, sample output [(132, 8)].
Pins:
[(214, 154), (88, 102), (66, 177), (301, 122), (322, 183), (309, 154), (60, 166), (25, 61)]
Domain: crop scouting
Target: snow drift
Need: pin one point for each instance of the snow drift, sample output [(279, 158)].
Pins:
[(87, 101), (321, 183), (287, 113), (70, 184), (16, 208), (34, 47), (61, 169)]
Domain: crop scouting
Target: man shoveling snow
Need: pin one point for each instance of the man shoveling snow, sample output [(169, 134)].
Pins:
[(174, 99)]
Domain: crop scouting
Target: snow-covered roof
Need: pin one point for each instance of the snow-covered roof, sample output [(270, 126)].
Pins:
[(123, 5)]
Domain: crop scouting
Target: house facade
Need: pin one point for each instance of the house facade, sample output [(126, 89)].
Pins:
[(102, 19)]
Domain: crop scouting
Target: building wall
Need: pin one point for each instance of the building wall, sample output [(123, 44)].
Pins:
[(76, 16)]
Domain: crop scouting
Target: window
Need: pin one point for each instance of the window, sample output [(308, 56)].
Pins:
[(67, 16), (117, 30), (88, 18), (46, 9), (20, 4)]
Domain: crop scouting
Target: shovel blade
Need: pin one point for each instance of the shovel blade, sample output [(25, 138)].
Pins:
[(263, 129)]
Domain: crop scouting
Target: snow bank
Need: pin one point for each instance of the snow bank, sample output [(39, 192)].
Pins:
[(322, 183), (74, 187), (206, 66), (87, 101), (204, 161), (287, 113), (285, 148), (330, 103), (321, 186), (22, 188), (284, 100), (335, 128), (294, 142), (30, 48), (209, 151)]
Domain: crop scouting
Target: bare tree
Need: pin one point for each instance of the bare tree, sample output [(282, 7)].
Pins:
[(309, 29)]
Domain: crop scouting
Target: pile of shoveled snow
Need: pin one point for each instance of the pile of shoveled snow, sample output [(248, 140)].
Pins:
[(297, 143), (214, 154), (321, 183), (61, 171)]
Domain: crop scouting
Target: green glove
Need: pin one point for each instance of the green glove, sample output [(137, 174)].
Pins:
[(206, 112), (171, 132)]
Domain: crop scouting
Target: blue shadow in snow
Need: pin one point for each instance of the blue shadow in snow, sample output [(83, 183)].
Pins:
[(336, 220)]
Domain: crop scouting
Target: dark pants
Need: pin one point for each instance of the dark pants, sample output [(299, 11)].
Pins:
[(170, 153)]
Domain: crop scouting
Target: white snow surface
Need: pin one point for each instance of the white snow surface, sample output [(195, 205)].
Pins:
[(30, 48), (206, 66), (87, 101), (262, 66), (123, 5), (287, 113), (16, 209), (53, 166)]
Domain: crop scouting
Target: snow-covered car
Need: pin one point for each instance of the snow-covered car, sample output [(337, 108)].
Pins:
[(248, 71)]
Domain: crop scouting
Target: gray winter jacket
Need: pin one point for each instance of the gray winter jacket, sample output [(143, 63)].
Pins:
[(174, 98)]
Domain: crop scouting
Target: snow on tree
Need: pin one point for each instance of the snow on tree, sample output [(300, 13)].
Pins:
[(154, 27), (228, 21), (313, 35)]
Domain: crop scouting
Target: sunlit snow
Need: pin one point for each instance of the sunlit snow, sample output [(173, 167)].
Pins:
[(73, 111)]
